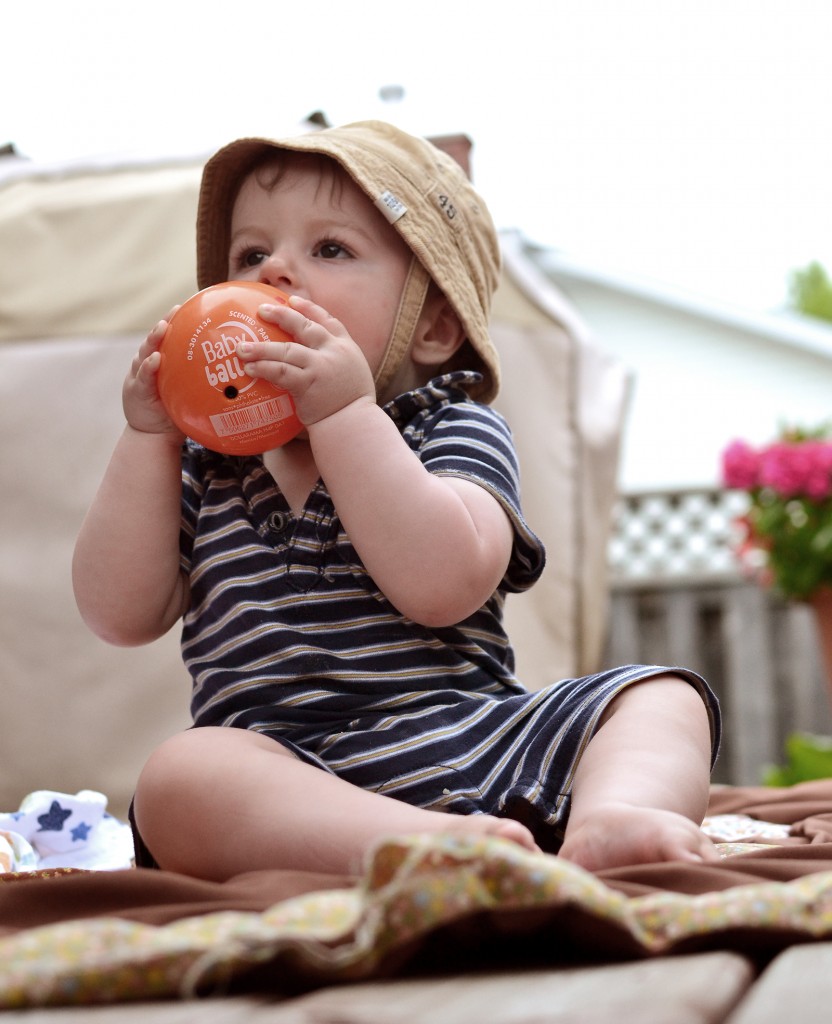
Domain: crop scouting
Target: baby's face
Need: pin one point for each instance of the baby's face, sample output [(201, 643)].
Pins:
[(317, 235)]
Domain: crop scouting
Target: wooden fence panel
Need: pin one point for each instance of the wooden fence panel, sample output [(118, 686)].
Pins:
[(760, 655)]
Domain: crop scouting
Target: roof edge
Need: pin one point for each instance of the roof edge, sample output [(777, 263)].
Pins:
[(786, 328)]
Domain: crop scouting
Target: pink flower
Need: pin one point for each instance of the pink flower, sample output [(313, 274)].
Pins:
[(819, 478), (740, 466), (784, 468), (783, 540), (797, 468)]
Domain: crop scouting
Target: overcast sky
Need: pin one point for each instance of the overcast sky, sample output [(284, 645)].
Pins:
[(683, 140)]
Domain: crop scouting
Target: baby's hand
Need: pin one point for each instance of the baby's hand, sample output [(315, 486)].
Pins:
[(323, 369), (143, 407)]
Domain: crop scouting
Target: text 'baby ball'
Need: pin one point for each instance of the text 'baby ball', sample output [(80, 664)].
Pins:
[(202, 383)]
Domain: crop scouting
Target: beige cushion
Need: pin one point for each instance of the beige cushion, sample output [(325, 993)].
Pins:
[(107, 250), (76, 713), (566, 401)]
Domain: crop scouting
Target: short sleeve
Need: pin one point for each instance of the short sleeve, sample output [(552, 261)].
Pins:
[(193, 476), (470, 440)]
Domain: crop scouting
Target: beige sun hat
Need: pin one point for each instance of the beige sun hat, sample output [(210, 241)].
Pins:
[(423, 193)]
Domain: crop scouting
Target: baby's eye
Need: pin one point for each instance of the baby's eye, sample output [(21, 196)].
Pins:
[(252, 258), (332, 251), (247, 258)]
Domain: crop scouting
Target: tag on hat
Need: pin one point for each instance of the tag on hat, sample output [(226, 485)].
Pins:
[(391, 206)]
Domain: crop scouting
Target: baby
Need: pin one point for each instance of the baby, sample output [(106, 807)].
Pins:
[(341, 596)]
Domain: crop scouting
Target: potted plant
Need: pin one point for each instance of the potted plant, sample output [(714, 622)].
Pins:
[(787, 530)]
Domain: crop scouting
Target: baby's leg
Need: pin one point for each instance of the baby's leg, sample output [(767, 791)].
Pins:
[(215, 802), (641, 788)]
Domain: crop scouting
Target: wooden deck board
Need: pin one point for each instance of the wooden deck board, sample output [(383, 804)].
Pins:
[(797, 985), (672, 990), (700, 989), (206, 1011)]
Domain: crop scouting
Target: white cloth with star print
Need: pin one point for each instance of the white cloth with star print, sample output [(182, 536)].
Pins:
[(61, 830)]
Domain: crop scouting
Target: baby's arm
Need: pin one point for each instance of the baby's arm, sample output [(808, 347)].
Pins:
[(437, 547), (126, 573)]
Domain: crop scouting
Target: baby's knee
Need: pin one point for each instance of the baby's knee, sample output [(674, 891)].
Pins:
[(175, 765), (172, 780)]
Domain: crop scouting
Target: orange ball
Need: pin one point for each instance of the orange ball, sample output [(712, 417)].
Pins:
[(202, 383)]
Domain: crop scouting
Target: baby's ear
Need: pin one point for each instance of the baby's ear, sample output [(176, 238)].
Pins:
[(438, 333)]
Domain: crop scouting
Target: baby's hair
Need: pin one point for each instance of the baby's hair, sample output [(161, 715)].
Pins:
[(271, 166)]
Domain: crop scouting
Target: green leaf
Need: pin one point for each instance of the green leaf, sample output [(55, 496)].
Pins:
[(808, 757), (811, 291)]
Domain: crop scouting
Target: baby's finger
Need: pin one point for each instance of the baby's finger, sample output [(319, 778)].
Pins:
[(316, 314), (145, 375), (308, 308), (303, 329), (150, 365), (308, 323), (270, 359), (150, 344)]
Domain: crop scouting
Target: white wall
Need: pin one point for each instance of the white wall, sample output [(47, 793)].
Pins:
[(698, 384)]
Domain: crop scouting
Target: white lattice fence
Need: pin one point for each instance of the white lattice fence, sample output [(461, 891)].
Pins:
[(667, 534)]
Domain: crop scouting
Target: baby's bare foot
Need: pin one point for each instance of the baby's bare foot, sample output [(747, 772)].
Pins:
[(487, 825), (617, 835)]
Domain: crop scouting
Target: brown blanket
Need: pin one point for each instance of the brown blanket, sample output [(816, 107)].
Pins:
[(165, 934)]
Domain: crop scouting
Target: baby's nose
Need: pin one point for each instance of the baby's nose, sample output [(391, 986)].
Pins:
[(279, 271)]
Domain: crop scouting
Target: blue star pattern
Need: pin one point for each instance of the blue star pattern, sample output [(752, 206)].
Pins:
[(53, 820), (80, 832)]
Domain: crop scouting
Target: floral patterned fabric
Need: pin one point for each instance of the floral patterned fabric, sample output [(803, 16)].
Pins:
[(414, 889)]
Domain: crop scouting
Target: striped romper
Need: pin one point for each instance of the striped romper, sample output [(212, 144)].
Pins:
[(289, 636)]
